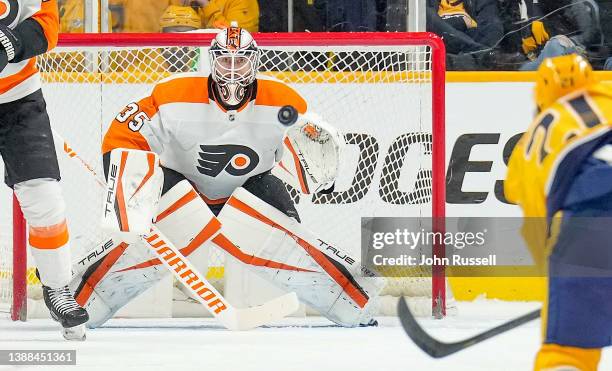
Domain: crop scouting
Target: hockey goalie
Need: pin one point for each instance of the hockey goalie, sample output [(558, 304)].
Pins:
[(205, 159)]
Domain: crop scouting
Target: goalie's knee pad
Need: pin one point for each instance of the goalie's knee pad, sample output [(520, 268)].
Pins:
[(41, 201), (105, 284), (285, 253)]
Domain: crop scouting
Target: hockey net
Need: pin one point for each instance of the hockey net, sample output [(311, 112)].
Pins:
[(384, 91)]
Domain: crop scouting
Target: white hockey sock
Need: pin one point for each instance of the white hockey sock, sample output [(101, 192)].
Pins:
[(43, 208)]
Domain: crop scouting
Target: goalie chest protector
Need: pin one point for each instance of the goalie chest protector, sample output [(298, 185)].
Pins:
[(216, 150)]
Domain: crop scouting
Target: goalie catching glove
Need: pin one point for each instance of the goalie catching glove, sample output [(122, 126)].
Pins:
[(311, 157)]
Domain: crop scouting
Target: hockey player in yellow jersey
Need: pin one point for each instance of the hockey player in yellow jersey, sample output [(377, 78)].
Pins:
[(561, 171)]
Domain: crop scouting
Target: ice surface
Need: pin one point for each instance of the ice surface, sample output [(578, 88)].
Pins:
[(310, 343)]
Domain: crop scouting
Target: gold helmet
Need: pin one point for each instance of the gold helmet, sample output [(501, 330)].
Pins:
[(180, 16), (559, 76)]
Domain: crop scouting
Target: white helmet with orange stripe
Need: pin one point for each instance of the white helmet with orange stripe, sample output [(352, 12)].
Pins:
[(234, 60)]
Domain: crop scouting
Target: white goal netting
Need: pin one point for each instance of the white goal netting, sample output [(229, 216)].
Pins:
[(379, 96)]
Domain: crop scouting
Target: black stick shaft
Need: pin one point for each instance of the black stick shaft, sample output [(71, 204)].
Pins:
[(438, 349)]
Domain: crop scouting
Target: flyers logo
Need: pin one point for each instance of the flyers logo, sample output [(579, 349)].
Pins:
[(233, 38), (9, 9), (234, 159)]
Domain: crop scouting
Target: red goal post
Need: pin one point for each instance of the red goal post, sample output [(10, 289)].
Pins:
[(432, 73)]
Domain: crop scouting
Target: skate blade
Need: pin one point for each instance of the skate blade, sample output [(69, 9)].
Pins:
[(76, 333)]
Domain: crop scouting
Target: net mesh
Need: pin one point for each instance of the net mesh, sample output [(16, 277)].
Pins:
[(380, 97), (6, 274)]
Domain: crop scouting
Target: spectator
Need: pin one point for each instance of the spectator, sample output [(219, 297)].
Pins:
[(219, 13), (307, 16), (508, 53), (605, 18), (470, 28), (138, 15), (72, 15), (351, 15), (563, 27), (179, 19)]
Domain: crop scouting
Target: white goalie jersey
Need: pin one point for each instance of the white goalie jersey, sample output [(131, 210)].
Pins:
[(216, 149)]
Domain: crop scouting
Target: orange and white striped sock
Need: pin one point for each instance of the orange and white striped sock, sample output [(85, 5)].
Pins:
[(51, 252), (44, 209)]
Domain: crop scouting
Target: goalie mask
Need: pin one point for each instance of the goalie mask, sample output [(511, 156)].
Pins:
[(234, 62)]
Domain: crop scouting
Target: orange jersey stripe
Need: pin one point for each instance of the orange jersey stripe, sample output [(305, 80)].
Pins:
[(9, 82), (48, 17), (275, 93), (188, 89), (119, 135), (49, 238)]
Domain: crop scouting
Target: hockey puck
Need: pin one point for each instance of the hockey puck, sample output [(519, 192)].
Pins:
[(287, 115)]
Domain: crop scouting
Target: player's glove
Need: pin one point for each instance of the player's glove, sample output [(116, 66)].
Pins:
[(9, 45), (320, 146), (535, 40), (311, 158)]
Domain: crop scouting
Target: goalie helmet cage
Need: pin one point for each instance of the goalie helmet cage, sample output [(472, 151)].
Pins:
[(334, 61)]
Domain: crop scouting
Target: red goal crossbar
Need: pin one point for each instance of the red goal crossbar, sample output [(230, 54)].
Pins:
[(438, 70)]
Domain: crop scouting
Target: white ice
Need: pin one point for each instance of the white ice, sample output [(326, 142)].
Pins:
[(310, 343)]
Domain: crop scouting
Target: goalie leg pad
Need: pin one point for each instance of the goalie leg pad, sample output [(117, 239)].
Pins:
[(115, 272), (104, 283), (285, 253)]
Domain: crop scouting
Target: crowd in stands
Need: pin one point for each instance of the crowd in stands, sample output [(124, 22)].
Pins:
[(479, 34), (519, 34)]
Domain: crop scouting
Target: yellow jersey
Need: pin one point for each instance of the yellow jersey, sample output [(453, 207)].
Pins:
[(547, 157)]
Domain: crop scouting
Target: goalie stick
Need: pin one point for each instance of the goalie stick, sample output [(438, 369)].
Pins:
[(439, 349), (196, 283), (209, 297)]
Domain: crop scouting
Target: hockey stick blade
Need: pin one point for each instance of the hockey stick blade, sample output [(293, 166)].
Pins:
[(438, 349), (271, 311)]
